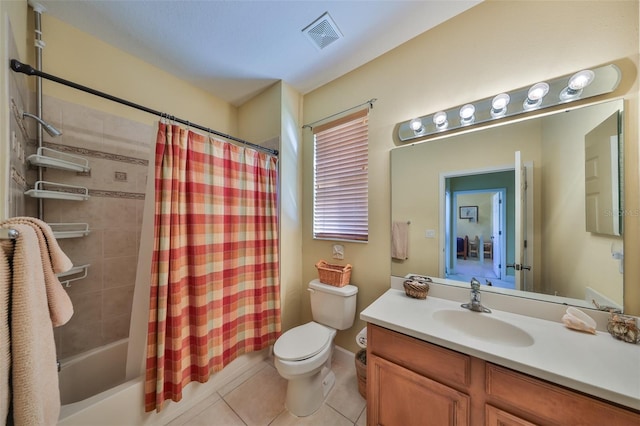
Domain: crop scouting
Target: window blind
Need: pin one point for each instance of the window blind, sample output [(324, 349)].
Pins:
[(341, 193)]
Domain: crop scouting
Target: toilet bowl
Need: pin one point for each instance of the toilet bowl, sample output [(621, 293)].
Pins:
[(302, 355)]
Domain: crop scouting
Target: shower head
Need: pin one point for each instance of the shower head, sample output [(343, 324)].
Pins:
[(48, 127)]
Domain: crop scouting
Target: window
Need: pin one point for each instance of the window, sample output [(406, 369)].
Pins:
[(341, 195)]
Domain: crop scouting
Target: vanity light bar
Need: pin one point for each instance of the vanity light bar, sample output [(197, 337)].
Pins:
[(544, 94)]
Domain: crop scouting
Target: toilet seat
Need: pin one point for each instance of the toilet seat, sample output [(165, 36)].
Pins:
[(303, 342)]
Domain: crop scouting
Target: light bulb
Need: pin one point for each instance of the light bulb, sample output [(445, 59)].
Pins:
[(416, 125), (577, 82), (499, 105), (466, 114), (440, 120), (581, 79), (535, 95)]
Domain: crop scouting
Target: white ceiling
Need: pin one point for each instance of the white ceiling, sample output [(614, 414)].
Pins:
[(234, 49)]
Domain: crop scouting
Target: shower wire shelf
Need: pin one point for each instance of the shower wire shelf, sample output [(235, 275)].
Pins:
[(69, 230), (74, 274), (59, 160), (60, 192)]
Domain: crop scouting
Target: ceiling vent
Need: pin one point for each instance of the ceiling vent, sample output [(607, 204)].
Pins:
[(323, 31)]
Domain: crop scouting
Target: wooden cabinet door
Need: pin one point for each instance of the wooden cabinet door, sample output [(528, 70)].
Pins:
[(550, 404), (496, 417), (400, 397)]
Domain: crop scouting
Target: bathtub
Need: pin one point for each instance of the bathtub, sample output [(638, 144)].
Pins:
[(124, 404), (92, 372)]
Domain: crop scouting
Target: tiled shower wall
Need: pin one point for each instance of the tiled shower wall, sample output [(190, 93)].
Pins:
[(19, 139), (118, 151)]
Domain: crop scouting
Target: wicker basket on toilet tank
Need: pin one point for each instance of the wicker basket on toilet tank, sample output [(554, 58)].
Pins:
[(336, 275)]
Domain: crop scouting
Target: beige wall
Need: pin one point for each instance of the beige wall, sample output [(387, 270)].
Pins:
[(493, 47), (13, 18), (261, 115), (81, 58), (290, 207), (275, 114)]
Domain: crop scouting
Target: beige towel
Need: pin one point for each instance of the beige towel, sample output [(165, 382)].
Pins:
[(400, 240), (5, 353), (34, 389), (53, 261)]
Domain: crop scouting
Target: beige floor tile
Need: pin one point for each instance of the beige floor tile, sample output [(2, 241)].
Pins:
[(323, 417), (246, 375), (219, 414), (185, 418), (344, 396), (260, 399), (362, 420), (257, 396)]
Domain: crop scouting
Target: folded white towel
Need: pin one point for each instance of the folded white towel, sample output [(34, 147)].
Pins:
[(400, 240)]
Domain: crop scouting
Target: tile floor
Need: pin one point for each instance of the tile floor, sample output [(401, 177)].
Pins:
[(257, 397)]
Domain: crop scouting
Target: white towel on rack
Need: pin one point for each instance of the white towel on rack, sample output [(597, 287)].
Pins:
[(400, 240)]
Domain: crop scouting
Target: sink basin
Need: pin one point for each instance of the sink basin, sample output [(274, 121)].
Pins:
[(483, 327)]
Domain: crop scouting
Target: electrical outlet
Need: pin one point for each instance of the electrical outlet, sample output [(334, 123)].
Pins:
[(338, 251)]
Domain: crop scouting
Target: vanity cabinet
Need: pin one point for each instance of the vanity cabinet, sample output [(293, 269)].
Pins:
[(412, 382), (547, 403), (403, 397)]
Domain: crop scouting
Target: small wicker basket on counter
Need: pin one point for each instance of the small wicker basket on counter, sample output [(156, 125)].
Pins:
[(417, 287), (623, 327), (335, 275)]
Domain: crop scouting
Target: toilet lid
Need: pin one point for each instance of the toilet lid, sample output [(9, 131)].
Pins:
[(302, 342)]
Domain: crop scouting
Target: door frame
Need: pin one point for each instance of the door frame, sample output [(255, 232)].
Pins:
[(452, 230), (442, 261)]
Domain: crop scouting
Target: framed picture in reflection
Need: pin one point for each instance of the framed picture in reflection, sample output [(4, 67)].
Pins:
[(469, 212)]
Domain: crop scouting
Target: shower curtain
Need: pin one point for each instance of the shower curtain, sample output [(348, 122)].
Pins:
[(215, 290)]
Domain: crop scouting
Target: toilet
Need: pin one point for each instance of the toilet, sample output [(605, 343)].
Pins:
[(302, 355)]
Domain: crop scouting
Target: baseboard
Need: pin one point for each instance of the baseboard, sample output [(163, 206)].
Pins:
[(343, 354)]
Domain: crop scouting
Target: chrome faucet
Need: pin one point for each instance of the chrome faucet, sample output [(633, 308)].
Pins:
[(475, 305)]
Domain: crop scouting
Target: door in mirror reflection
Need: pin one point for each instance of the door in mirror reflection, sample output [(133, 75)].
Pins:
[(601, 167), (478, 240)]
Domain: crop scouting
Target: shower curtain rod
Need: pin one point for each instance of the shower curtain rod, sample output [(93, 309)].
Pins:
[(18, 66)]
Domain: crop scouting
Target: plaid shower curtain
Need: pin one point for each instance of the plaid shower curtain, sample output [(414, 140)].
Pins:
[(215, 290)]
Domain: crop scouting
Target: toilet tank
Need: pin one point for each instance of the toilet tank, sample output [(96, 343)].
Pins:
[(333, 306)]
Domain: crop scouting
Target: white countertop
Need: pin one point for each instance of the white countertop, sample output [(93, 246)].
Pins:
[(597, 364)]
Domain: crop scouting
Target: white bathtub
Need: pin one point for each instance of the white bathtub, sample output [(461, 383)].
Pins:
[(92, 372), (124, 404)]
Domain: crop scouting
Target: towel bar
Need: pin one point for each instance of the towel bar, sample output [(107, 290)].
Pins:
[(8, 234)]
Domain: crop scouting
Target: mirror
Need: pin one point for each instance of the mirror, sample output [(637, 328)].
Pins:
[(544, 247)]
